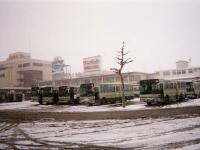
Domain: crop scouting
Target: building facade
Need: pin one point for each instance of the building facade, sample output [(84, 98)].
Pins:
[(60, 70), (183, 71), (129, 77), (20, 70)]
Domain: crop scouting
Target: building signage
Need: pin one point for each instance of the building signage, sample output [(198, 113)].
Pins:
[(91, 64)]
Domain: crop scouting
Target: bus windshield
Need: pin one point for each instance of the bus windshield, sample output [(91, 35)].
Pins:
[(150, 87), (189, 87), (87, 89), (47, 91), (34, 91), (63, 91)]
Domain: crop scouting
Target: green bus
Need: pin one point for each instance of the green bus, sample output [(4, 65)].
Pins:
[(58, 95), (159, 91), (100, 94), (196, 85), (48, 95), (68, 95), (190, 90), (34, 93)]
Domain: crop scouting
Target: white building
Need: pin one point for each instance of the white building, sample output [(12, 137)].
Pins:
[(183, 71), (19, 69)]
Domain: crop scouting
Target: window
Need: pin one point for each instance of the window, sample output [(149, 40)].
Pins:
[(166, 73), (38, 64), (174, 72), (183, 72), (26, 64), (131, 78), (190, 71), (20, 65), (179, 72), (108, 79), (137, 77), (3, 68), (2, 75)]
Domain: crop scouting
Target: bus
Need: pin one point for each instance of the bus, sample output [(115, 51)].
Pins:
[(48, 95), (136, 90), (34, 93), (68, 95), (100, 94), (15, 94), (159, 91), (190, 90), (196, 85), (58, 95)]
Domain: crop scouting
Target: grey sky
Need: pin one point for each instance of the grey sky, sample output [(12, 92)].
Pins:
[(156, 32)]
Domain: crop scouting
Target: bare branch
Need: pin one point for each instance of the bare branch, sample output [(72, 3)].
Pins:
[(128, 60)]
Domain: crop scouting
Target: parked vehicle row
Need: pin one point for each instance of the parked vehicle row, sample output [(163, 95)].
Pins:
[(14, 94), (55, 95), (152, 91), (157, 91), (89, 94)]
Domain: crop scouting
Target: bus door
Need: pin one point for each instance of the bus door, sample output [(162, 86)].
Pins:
[(161, 90), (96, 93)]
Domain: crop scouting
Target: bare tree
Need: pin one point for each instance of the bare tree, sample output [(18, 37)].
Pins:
[(122, 61)]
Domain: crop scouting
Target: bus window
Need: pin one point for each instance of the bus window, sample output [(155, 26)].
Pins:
[(117, 88)]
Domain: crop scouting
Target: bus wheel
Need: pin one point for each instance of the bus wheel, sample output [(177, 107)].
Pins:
[(103, 101), (167, 99), (149, 103), (40, 101), (181, 97), (77, 101)]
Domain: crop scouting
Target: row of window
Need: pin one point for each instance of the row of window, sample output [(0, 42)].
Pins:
[(115, 88), (28, 64), (175, 85), (178, 72), (3, 68)]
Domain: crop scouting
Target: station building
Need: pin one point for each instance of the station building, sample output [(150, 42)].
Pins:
[(129, 77), (93, 73), (20, 70)]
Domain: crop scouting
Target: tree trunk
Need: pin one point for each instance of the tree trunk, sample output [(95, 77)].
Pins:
[(122, 91)]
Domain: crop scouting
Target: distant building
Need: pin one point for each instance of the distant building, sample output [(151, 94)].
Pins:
[(20, 70), (183, 71), (93, 73), (60, 70)]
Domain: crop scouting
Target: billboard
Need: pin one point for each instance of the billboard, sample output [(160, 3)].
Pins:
[(91, 64)]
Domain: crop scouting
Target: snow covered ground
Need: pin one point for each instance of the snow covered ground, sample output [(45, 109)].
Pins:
[(135, 105), (163, 133)]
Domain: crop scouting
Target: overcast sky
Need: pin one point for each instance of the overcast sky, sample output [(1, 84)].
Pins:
[(157, 33)]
